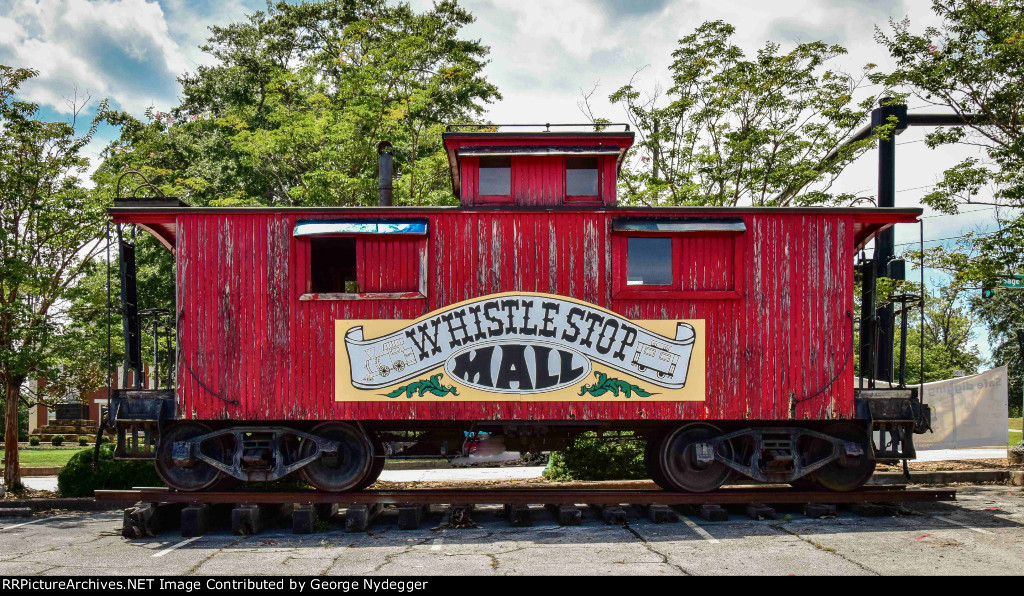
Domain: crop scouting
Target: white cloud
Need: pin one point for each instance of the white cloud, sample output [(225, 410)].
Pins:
[(119, 49)]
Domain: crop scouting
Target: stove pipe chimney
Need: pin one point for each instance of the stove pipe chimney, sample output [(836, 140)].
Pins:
[(385, 174)]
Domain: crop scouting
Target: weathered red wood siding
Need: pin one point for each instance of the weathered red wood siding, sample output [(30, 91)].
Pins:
[(248, 338)]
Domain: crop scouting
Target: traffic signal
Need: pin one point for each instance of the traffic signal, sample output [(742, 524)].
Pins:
[(988, 292)]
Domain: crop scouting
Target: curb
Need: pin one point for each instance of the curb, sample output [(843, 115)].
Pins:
[(40, 471), (1015, 477), (65, 503)]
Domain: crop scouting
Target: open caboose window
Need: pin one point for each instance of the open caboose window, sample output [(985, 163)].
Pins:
[(353, 259), (332, 265)]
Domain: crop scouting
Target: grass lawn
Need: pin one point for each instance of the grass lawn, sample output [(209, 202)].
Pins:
[(46, 456)]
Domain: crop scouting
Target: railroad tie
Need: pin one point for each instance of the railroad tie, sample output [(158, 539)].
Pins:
[(760, 511), (566, 514), (713, 513), (518, 515), (611, 514), (248, 519), (661, 514), (195, 520), (306, 516), (411, 516), (458, 515), (819, 510), (147, 520), (359, 517)]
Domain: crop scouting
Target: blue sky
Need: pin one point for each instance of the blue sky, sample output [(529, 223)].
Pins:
[(543, 54)]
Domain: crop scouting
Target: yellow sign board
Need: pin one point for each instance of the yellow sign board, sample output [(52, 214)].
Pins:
[(520, 346)]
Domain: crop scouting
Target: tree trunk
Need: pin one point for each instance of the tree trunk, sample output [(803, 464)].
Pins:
[(12, 471)]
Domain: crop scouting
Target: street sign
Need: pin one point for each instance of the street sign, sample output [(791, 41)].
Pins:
[(1012, 281)]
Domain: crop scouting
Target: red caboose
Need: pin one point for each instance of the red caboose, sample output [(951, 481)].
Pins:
[(318, 340)]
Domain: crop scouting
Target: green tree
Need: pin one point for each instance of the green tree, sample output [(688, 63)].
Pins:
[(50, 227), (950, 326), (1003, 314), (734, 130), (972, 64), (298, 97)]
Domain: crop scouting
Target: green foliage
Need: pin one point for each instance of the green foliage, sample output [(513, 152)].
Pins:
[(49, 234), (423, 386), (57, 440), (1003, 314), (733, 130), (79, 479), (613, 386), (296, 98), (949, 329), (591, 457), (82, 441), (34, 441), (972, 63)]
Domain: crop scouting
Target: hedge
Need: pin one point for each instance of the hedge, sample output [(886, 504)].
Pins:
[(78, 478), (591, 458)]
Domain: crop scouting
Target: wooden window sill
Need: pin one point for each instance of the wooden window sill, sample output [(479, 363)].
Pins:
[(363, 296)]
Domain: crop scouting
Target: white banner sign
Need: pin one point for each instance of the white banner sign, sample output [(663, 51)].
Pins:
[(519, 344), (967, 412)]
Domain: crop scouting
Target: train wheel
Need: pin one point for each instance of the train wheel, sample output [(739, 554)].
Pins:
[(848, 473), (341, 471), (679, 466), (197, 475), (376, 466), (652, 453)]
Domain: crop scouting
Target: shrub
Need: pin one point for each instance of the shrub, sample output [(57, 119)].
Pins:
[(33, 441), (79, 479), (83, 441), (57, 440), (593, 458)]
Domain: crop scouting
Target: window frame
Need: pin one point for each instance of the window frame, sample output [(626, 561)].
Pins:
[(621, 290), (483, 199), (304, 276), (595, 199)]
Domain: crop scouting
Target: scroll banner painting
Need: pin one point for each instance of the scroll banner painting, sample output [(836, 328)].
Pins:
[(519, 346)]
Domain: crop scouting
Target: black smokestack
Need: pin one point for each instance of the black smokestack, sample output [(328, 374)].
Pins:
[(386, 170)]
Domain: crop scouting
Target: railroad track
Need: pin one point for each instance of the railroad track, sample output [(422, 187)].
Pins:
[(160, 508)]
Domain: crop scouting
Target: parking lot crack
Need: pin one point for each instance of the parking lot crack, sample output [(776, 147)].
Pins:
[(664, 557), (821, 547), (195, 567)]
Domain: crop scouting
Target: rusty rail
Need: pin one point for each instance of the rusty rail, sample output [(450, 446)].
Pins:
[(542, 496)]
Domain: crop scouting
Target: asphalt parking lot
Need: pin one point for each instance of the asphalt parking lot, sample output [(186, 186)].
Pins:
[(983, 533)]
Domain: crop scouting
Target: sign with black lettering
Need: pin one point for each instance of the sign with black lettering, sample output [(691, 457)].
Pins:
[(520, 346)]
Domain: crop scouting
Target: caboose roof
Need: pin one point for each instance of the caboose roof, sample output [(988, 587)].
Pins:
[(160, 220)]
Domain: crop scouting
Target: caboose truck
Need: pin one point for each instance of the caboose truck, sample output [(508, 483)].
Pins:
[(308, 339)]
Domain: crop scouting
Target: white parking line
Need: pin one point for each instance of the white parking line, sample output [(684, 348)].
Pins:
[(703, 533), (961, 524), (179, 545), (35, 521)]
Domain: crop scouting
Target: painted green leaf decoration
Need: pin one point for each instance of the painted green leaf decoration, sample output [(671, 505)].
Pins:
[(423, 386), (604, 385)]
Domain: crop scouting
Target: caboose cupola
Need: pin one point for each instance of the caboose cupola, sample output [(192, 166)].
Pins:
[(546, 168)]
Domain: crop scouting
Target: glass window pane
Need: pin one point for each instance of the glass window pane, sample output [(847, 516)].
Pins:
[(581, 176), (495, 176), (649, 262)]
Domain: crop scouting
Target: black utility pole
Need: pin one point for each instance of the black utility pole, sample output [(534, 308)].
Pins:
[(885, 242)]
